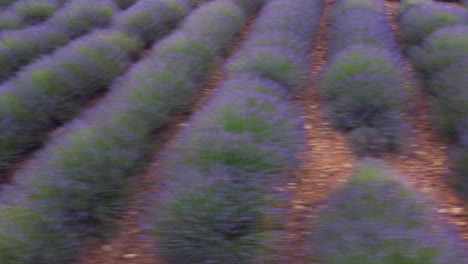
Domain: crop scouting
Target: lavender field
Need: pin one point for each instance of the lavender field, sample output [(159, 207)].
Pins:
[(233, 131)]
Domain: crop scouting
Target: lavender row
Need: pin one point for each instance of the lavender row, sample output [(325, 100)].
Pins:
[(441, 56), (78, 183), (220, 203), (24, 13), (375, 218), (50, 91), (363, 81), (18, 48), (279, 48)]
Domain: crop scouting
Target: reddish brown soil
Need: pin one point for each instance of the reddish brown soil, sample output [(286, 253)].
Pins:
[(425, 162), (127, 245), (327, 162)]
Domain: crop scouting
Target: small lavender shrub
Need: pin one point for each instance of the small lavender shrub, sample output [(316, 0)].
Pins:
[(451, 103), (36, 11), (441, 49), (215, 219), (422, 20), (79, 17), (234, 19), (9, 19), (28, 236), (355, 28), (248, 131), (151, 20), (374, 218), (282, 65), (364, 87), (219, 207), (18, 48)]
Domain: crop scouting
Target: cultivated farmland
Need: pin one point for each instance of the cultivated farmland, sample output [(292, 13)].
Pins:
[(233, 132)]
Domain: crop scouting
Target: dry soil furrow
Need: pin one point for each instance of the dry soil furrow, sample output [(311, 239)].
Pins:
[(327, 161)]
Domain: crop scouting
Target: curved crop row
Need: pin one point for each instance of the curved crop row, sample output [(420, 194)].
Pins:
[(28, 12), (51, 90), (363, 82), (441, 57), (375, 218), (220, 205), (78, 182), (18, 48)]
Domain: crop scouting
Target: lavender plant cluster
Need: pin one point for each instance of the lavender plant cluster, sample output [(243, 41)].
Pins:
[(24, 13), (220, 203), (20, 47), (359, 22), (46, 90), (363, 82), (374, 218), (279, 48), (77, 184), (441, 58), (151, 20), (51, 90), (419, 22)]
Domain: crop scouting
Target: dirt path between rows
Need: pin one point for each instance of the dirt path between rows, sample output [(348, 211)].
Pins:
[(328, 159), (129, 244)]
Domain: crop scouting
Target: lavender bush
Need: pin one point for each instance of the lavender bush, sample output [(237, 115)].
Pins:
[(36, 11), (17, 48), (150, 20), (218, 208), (51, 90), (441, 49), (80, 178), (374, 218), (9, 19), (279, 47), (451, 102), (360, 27), (422, 20), (364, 87), (78, 17)]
